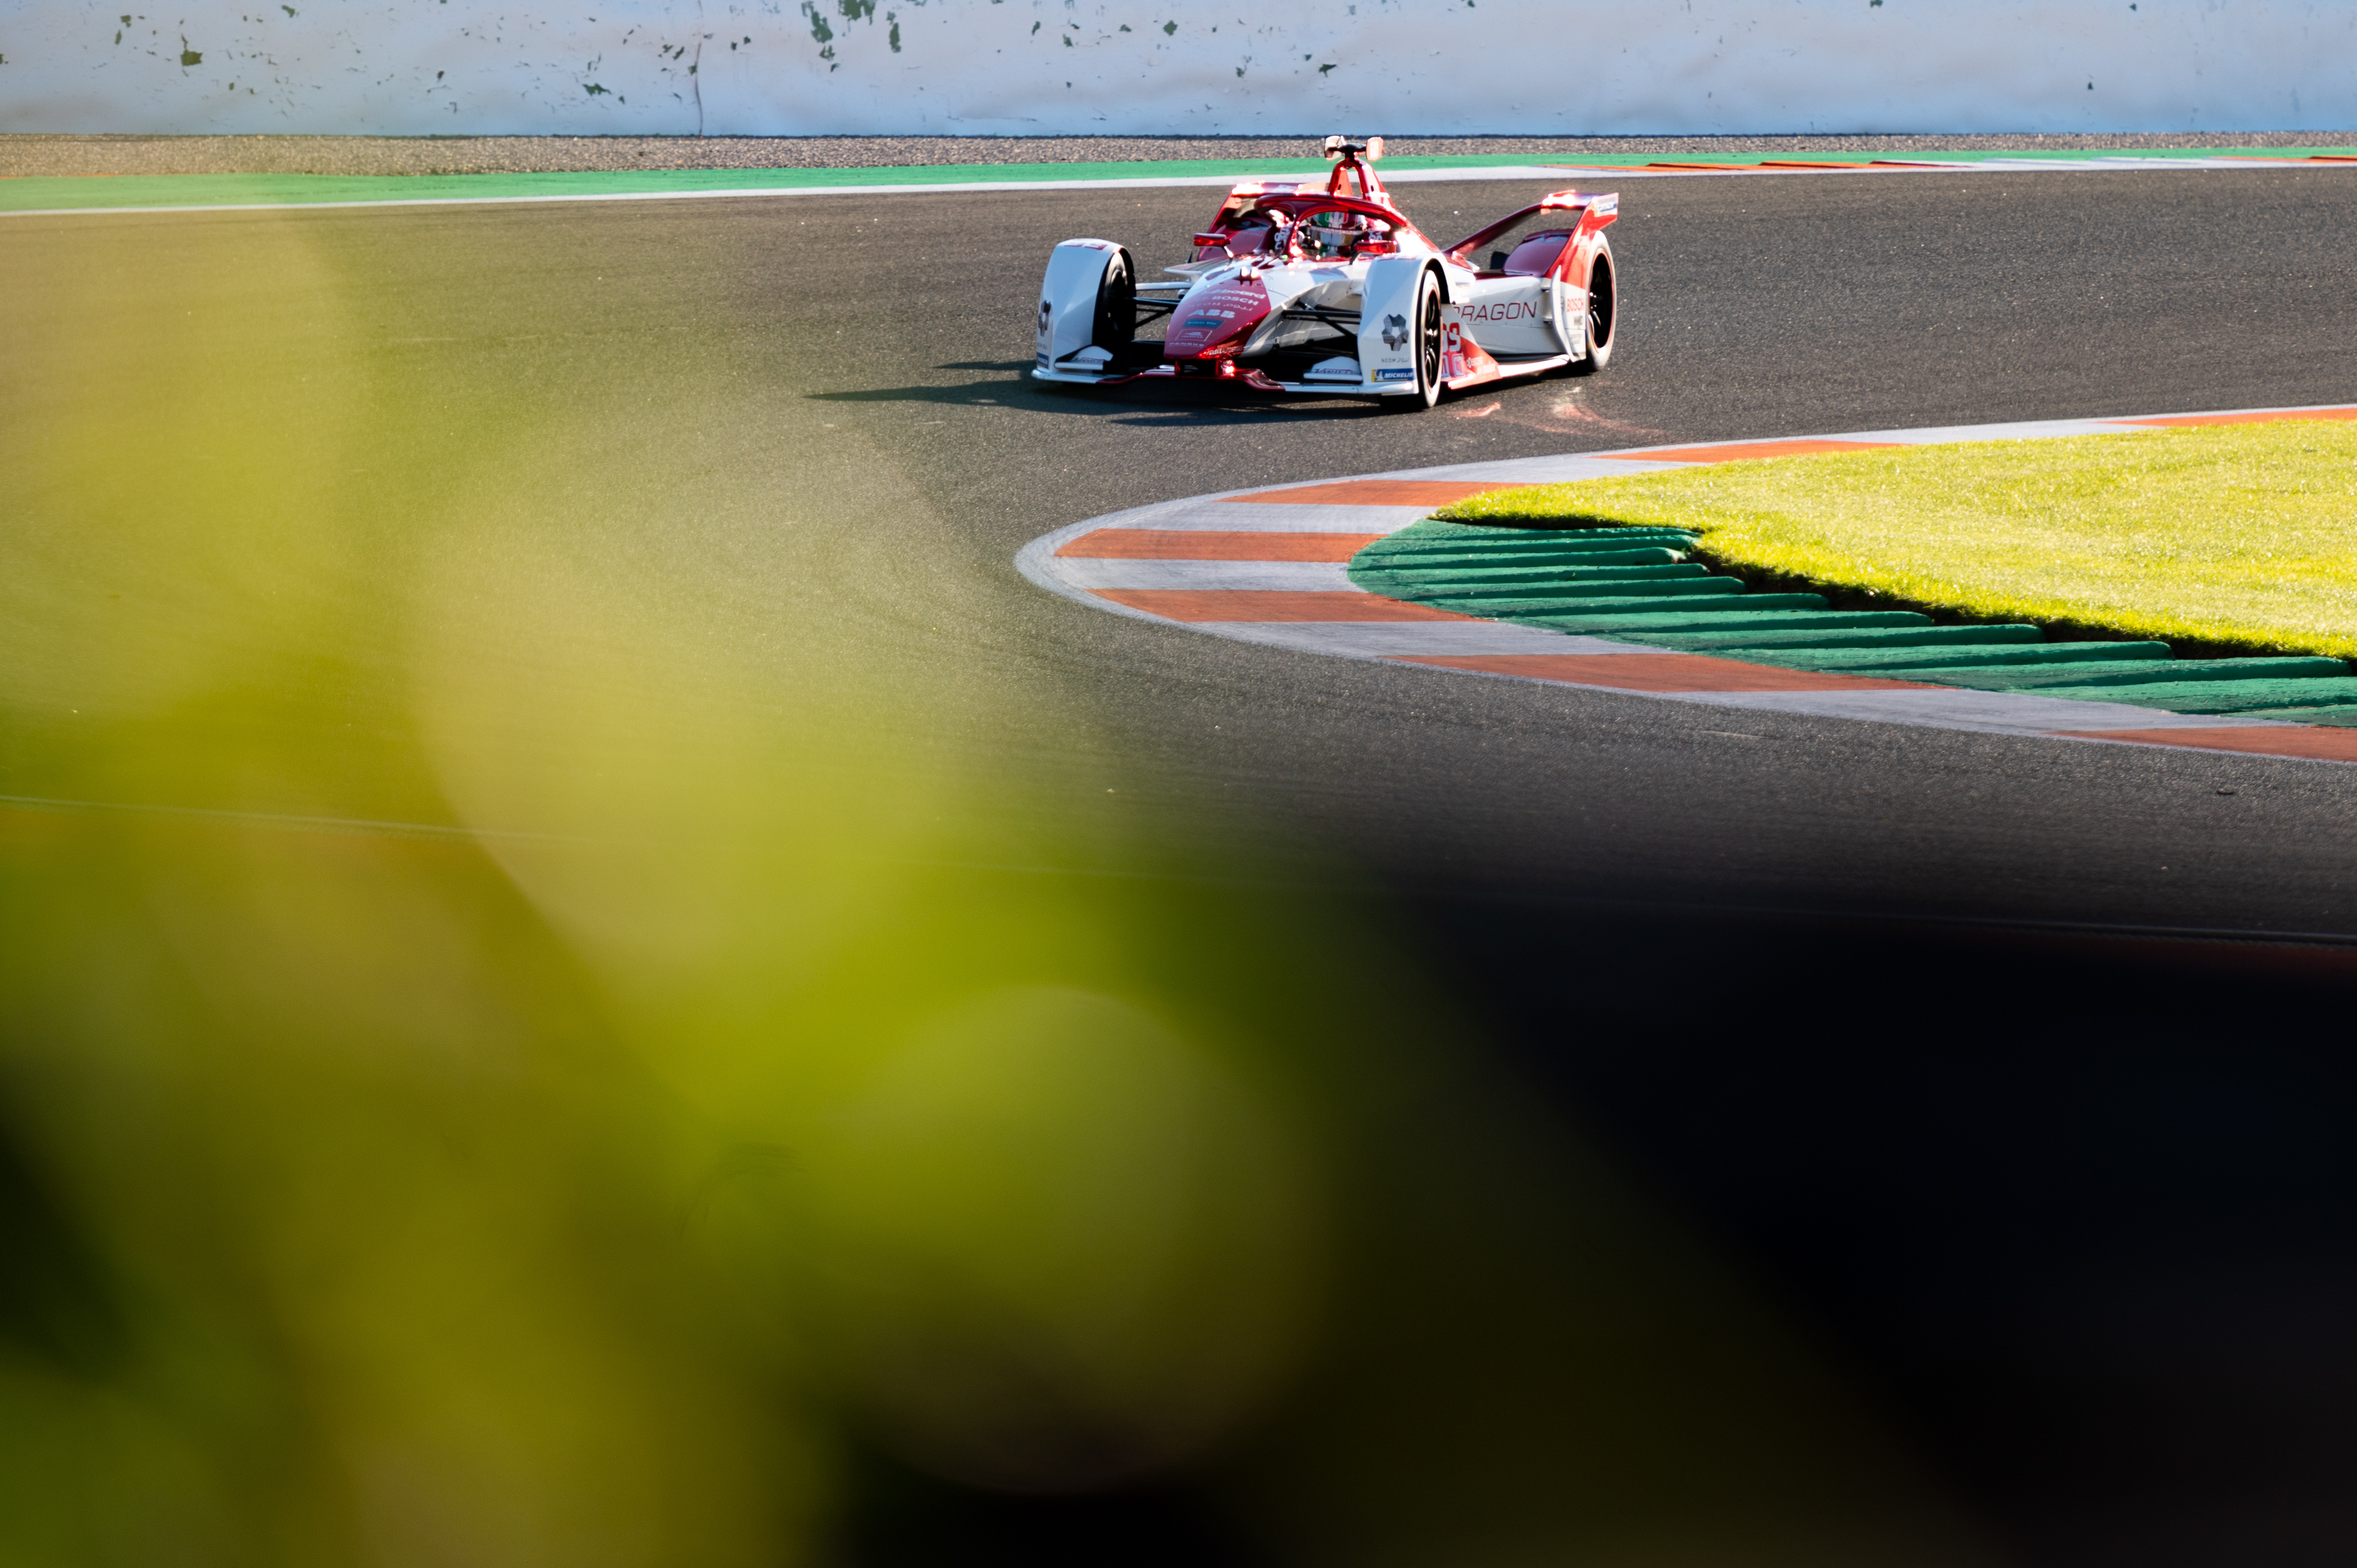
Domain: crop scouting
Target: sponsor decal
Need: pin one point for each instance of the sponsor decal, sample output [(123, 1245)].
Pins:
[(1394, 332), (1395, 375), (1500, 310), (1047, 314), (1043, 361), (1217, 313)]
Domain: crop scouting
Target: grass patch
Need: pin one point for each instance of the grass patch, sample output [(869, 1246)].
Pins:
[(2234, 536)]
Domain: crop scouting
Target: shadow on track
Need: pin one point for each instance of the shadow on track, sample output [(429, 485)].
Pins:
[(1208, 405)]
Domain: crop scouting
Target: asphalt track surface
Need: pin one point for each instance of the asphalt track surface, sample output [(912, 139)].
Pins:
[(1921, 1024), (871, 351), (1752, 311)]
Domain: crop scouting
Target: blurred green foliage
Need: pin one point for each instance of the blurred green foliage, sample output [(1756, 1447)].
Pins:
[(528, 1035)]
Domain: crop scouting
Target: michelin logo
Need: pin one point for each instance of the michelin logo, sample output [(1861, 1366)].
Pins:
[(1395, 375), (1394, 332)]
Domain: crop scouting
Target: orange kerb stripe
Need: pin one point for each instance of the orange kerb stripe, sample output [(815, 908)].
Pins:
[(2310, 741), (1269, 605), (1742, 451), (2189, 420), (1376, 492), (1658, 673), (1203, 545)]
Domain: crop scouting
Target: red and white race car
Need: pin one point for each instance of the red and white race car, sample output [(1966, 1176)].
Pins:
[(1303, 288)]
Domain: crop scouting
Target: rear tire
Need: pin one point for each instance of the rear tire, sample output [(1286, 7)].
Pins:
[(1603, 311)]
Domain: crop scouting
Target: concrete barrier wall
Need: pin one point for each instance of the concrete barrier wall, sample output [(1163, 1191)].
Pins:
[(1175, 67)]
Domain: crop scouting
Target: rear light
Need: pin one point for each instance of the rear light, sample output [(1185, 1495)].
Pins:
[(1377, 247), (1219, 239)]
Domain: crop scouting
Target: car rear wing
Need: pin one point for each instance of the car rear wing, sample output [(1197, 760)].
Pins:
[(1597, 211)]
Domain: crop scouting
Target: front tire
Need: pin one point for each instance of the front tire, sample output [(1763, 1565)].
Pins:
[(1115, 326), (1427, 331), (1603, 311)]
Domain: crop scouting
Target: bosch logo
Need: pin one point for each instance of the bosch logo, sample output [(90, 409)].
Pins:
[(1394, 332)]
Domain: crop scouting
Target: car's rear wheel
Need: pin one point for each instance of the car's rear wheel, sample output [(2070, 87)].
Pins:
[(1603, 311)]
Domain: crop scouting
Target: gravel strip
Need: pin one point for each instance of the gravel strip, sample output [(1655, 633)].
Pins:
[(536, 155)]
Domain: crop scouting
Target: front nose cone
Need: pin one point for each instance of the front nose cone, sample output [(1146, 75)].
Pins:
[(1214, 324)]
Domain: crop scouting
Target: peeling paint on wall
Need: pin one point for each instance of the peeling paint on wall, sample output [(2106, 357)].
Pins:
[(1065, 67)]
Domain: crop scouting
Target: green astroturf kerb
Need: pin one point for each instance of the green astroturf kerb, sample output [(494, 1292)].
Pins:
[(1550, 578), (1898, 632)]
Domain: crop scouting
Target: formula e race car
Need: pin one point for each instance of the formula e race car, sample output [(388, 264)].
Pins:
[(1303, 288)]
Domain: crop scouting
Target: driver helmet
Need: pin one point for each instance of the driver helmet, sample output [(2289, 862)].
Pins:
[(1335, 233)]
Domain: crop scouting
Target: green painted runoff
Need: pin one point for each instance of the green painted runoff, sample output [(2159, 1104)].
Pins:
[(46, 193)]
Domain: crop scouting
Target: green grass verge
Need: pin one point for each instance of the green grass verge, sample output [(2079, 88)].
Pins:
[(2236, 536)]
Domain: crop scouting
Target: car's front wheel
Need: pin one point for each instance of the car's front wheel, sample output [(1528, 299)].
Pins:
[(1429, 312), (1115, 325)]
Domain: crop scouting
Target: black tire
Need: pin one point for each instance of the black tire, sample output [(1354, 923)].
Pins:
[(1603, 311), (1427, 343), (1117, 317)]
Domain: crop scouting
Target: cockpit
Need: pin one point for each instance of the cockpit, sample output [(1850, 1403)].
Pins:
[(1338, 236), (1300, 233), (1292, 220)]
